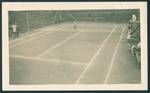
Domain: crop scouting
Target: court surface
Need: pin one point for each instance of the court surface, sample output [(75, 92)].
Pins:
[(93, 53)]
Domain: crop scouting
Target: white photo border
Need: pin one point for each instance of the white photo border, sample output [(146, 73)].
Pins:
[(17, 6)]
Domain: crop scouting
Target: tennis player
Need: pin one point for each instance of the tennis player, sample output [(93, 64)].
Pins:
[(75, 26), (15, 33)]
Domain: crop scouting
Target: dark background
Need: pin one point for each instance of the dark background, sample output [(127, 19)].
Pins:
[(37, 19)]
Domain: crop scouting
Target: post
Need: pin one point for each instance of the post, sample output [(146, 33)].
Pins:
[(27, 20), (95, 17), (54, 20), (60, 16)]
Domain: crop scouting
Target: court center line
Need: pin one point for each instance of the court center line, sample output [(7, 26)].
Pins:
[(95, 55), (58, 44), (27, 40), (49, 60), (114, 56), (32, 34)]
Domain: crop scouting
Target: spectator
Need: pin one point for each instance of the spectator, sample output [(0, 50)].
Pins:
[(135, 48), (133, 32), (136, 51)]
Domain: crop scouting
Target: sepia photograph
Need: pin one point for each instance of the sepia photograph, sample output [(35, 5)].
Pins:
[(60, 46)]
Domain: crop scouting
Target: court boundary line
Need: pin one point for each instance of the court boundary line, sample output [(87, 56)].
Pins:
[(58, 44), (32, 38), (95, 55), (49, 60), (114, 56)]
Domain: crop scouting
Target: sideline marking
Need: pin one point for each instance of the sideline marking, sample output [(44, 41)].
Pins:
[(114, 56), (95, 55)]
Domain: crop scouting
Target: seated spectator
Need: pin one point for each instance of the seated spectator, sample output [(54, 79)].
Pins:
[(136, 51), (135, 48), (133, 34), (132, 38)]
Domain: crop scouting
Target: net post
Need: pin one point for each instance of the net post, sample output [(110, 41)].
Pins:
[(53, 22), (27, 20), (95, 17), (49, 13), (60, 16)]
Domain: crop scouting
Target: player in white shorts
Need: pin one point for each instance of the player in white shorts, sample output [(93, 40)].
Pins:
[(15, 33)]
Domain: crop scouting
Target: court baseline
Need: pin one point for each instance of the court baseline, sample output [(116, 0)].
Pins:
[(48, 60)]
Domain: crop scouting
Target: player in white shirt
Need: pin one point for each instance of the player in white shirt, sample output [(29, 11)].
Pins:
[(15, 32)]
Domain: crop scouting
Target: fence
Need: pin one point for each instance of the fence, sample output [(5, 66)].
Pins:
[(29, 20)]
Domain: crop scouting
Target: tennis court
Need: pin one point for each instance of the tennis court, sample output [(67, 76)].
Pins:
[(93, 53)]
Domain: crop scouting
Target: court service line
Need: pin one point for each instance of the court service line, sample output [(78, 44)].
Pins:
[(114, 56), (58, 44), (48, 60), (31, 35), (95, 55), (27, 40)]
